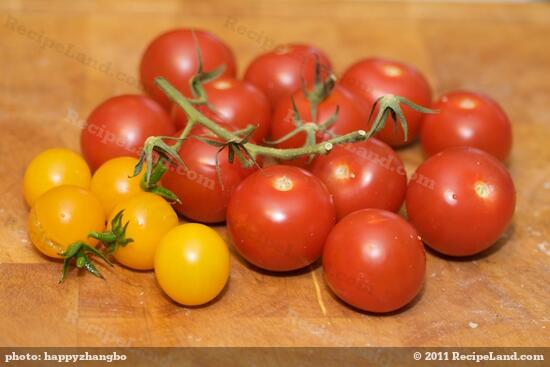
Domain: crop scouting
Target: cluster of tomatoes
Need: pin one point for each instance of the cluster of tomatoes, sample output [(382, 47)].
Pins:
[(283, 216)]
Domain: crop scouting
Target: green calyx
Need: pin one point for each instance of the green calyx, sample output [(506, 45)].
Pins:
[(152, 184), (201, 77), (115, 237), (80, 251), (156, 169), (321, 89), (235, 148), (390, 105), (311, 129)]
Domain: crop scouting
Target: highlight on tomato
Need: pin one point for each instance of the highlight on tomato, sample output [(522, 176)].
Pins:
[(367, 174), (149, 218), (461, 201), (279, 72), (114, 182), (192, 264), (119, 126), (279, 218), (374, 260), (173, 55), (372, 78), (52, 168), (467, 119), (62, 216)]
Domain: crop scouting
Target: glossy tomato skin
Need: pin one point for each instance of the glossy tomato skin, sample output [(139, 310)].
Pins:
[(62, 216), (52, 168), (119, 126), (198, 187), (352, 116), (237, 103), (279, 218), (373, 78), (114, 182), (467, 119), (374, 260), (367, 174), (149, 218), (192, 264), (173, 56), (461, 200), (278, 73)]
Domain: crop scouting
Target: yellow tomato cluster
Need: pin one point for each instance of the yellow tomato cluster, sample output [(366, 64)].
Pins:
[(191, 261)]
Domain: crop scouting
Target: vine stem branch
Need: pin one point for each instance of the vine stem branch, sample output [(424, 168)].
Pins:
[(196, 117), (387, 105)]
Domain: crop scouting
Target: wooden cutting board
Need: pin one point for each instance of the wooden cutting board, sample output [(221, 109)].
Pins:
[(497, 298)]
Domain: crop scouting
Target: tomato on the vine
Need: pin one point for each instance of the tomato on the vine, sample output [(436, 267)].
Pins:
[(198, 186), (119, 126), (278, 73), (279, 218), (192, 264), (113, 182), (63, 216), (173, 55), (373, 78), (149, 218), (352, 116), (52, 168), (367, 174), (461, 200), (235, 102), (467, 119), (374, 260)]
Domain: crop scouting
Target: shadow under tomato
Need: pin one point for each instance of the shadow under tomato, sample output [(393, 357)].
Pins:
[(184, 220), (501, 242), (46, 257), (400, 310), (291, 273), (197, 307)]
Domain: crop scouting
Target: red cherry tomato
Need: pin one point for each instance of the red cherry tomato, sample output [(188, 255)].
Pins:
[(373, 78), (237, 103), (374, 260), (279, 218), (467, 119), (278, 73), (461, 200), (367, 174), (119, 126), (173, 55), (202, 197), (352, 116)]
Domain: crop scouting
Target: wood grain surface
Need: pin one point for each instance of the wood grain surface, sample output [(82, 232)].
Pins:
[(500, 298)]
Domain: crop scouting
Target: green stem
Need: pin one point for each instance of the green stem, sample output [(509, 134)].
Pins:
[(387, 105), (191, 112), (195, 116), (185, 133), (321, 148)]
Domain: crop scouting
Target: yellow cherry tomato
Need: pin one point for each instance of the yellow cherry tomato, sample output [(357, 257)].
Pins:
[(63, 216), (192, 264), (149, 217), (111, 183), (52, 168)]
